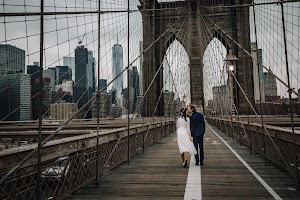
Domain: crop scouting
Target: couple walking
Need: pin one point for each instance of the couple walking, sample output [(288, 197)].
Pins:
[(190, 132)]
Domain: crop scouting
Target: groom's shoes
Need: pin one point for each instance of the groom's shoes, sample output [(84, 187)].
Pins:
[(185, 164), (200, 164)]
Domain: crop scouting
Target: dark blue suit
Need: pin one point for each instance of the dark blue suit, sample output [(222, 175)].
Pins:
[(197, 126)]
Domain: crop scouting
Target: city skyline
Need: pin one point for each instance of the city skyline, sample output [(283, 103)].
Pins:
[(60, 44), (74, 30)]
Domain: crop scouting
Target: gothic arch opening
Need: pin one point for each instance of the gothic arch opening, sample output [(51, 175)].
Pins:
[(214, 75), (176, 73)]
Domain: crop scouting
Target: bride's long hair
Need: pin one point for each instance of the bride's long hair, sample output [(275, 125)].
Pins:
[(183, 113)]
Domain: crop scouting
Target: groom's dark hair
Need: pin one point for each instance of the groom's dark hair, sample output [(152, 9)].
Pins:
[(193, 108)]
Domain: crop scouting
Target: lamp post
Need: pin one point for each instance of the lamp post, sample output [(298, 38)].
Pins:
[(183, 102), (231, 60)]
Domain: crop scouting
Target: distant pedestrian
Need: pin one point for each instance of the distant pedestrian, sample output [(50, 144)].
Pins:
[(185, 144), (197, 126)]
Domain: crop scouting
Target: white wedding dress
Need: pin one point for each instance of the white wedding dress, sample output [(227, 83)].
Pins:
[(183, 138)]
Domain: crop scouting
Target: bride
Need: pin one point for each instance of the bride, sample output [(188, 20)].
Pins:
[(185, 145)]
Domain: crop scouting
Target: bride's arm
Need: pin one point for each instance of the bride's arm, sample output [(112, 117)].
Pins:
[(188, 127)]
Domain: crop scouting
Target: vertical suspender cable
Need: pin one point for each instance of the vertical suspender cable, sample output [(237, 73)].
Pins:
[(161, 80), (128, 84), (161, 98), (98, 99), (142, 67), (260, 87), (38, 185), (153, 67), (290, 95)]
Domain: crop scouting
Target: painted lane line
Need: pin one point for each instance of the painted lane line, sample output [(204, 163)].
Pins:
[(268, 188), (193, 188)]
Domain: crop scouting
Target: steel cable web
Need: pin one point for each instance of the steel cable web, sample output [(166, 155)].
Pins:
[(103, 43), (58, 43), (78, 37), (276, 55), (69, 33)]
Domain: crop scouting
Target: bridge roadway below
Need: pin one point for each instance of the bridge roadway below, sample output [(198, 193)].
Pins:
[(159, 174)]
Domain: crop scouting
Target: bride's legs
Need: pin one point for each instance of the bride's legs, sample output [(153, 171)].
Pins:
[(182, 157), (186, 158)]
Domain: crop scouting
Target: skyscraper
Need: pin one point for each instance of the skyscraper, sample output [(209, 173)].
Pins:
[(62, 73), (15, 97), (11, 59), (113, 93), (134, 84), (91, 71), (63, 92), (117, 67), (103, 83), (65, 86), (258, 79), (46, 97), (105, 105), (33, 70), (81, 88), (81, 65), (270, 85), (51, 74), (70, 62)]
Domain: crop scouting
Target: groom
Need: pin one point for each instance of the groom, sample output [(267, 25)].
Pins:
[(197, 126)]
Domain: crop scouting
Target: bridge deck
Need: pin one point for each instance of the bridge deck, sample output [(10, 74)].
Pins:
[(158, 174)]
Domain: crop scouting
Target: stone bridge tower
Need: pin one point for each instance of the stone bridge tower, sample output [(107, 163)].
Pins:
[(201, 22)]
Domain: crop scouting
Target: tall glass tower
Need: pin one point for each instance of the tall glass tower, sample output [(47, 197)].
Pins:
[(81, 95), (117, 67), (62, 73), (12, 59), (70, 61), (15, 97), (91, 71)]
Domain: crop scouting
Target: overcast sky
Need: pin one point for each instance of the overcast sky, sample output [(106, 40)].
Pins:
[(62, 35), (270, 39)]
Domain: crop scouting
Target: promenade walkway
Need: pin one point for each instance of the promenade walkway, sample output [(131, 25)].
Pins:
[(230, 171)]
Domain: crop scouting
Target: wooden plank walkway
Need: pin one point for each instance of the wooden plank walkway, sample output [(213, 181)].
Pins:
[(158, 174)]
